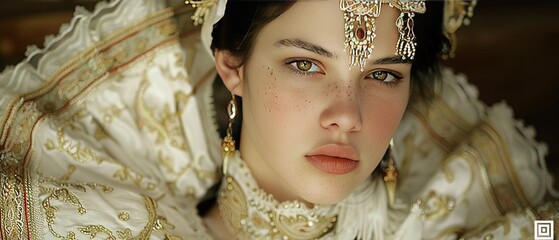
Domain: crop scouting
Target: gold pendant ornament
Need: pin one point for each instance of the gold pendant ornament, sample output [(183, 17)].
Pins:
[(228, 142), (405, 47), (359, 27), (390, 175)]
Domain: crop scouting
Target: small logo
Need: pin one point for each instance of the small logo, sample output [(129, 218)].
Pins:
[(543, 230)]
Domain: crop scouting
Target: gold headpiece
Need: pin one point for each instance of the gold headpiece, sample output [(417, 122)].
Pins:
[(359, 17)]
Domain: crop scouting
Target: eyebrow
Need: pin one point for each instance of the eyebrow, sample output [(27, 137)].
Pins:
[(304, 45), (392, 60), (323, 52)]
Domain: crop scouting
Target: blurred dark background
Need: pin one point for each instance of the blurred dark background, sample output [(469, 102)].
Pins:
[(510, 52)]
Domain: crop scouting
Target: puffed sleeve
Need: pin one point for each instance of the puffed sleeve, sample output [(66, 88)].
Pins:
[(469, 170), (108, 132)]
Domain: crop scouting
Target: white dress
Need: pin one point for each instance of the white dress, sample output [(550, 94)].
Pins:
[(109, 133)]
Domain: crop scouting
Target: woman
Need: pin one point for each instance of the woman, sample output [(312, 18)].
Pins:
[(108, 132)]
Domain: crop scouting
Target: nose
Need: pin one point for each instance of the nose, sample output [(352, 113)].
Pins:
[(343, 113)]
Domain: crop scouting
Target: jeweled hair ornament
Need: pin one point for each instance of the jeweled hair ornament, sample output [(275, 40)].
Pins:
[(456, 14), (359, 26)]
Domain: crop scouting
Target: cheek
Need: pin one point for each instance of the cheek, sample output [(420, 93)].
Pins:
[(383, 110), (276, 99)]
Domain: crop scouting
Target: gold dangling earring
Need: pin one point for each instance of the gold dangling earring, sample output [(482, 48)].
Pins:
[(390, 174), (228, 143)]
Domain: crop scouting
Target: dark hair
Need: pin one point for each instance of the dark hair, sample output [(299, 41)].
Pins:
[(242, 21), (235, 32), (431, 45)]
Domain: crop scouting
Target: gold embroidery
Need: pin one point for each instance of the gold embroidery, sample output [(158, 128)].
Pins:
[(157, 223), (166, 124), (501, 182), (111, 112), (181, 63), (77, 151), (15, 182), (93, 230), (211, 175), (12, 206), (125, 174), (434, 205), (162, 225), (69, 84), (234, 208), (100, 133), (84, 154), (64, 195), (167, 71), (124, 216), (124, 235)]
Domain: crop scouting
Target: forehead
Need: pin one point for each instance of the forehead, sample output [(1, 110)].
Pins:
[(322, 23)]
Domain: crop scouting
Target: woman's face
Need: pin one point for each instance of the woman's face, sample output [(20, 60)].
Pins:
[(312, 129)]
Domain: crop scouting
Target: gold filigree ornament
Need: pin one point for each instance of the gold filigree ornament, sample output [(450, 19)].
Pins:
[(359, 26), (228, 142), (251, 213), (456, 14)]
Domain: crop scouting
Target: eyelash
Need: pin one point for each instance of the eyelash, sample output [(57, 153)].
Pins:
[(397, 76), (289, 63)]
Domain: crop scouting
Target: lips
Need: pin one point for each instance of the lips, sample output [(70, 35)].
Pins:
[(334, 158)]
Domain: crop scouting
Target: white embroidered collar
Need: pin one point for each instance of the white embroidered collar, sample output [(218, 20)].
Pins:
[(251, 213)]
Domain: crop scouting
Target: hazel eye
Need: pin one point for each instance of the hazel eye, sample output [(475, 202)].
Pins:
[(304, 66), (385, 76), (380, 75)]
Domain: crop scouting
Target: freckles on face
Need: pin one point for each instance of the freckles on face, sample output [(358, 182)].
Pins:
[(296, 99), (273, 92), (279, 97), (270, 90)]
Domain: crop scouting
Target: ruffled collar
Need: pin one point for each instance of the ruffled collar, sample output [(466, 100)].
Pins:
[(251, 213)]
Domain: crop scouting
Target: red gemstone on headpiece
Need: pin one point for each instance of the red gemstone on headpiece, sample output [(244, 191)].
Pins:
[(360, 33)]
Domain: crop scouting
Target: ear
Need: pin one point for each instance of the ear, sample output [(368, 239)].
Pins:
[(230, 70)]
